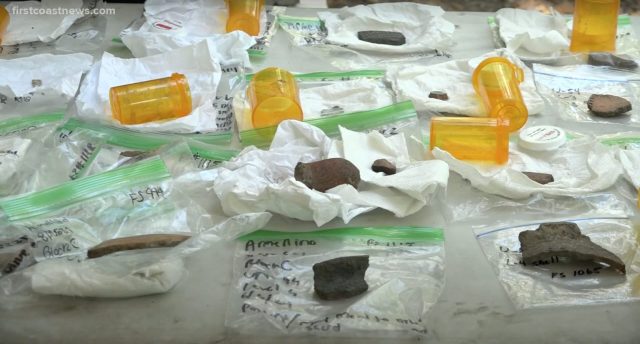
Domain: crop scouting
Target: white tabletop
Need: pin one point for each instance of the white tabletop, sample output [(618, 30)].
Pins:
[(472, 309)]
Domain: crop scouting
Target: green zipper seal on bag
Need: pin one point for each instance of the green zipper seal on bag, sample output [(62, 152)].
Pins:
[(217, 155), (620, 141), (79, 190), (335, 76), (127, 138), (20, 123), (356, 121), (383, 233)]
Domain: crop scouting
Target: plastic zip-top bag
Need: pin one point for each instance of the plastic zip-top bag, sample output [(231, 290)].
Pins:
[(565, 270), (400, 275), (168, 25), (45, 83), (325, 94), (427, 35), (72, 227), (34, 156), (122, 144), (569, 88), (389, 120)]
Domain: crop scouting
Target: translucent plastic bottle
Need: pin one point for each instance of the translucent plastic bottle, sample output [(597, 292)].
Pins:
[(153, 100), (475, 139), (4, 21), (273, 95), (244, 15), (595, 24), (497, 82)]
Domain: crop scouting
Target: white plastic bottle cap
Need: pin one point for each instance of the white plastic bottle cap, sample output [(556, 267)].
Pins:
[(542, 138)]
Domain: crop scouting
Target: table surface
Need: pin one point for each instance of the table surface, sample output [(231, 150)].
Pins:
[(472, 309)]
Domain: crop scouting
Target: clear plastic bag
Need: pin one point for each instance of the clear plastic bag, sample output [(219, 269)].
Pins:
[(556, 282), (273, 282), (65, 221), (325, 94), (310, 35), (124, 144), (84, 36), (170, 25), (35, 156), (466, 204), (389, 120), (626, 43), (628, 155), (569, 87)]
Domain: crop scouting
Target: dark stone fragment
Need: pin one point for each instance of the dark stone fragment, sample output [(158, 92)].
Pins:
[(340, 278), (606, 59), (604, 105), (382, 37), (384, 166), (136, 243), (326, 174), (439, 95), (564, 239), (540, 178)]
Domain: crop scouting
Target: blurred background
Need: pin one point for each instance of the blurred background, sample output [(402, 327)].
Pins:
[(564, 6)]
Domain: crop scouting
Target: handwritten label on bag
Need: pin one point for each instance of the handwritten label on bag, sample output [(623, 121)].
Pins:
[(276, 284)]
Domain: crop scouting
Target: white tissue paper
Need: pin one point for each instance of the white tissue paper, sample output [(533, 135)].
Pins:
[(327, 99), (34, 21), (423, 26), (168, 25), (40, 83), (416, 82), (580, 167), (260, 180), (531, 34), (630, 160), (90, 279), (200, 63)]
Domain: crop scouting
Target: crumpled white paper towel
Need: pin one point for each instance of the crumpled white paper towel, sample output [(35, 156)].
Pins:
[(423, 26), (454, 77), (349, 96), (89, 279), (533, 34), (580, 167), (200, 63), (168, 25), (630, 161), (25, 27), (260, 180), (40, 83)]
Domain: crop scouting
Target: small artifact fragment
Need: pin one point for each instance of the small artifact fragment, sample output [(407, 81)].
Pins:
[(540, 178), (564, 239), (382, 37), (340, 278), (439, 95), (606, 59), (326, 174), (384, 166), (136, 243), (605, 105)]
